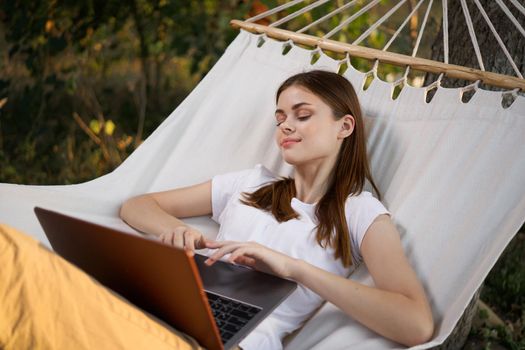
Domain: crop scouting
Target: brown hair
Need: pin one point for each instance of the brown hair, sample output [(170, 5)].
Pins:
[(348, 175)]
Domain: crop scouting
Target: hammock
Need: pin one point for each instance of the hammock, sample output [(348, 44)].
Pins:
[(452, 174)]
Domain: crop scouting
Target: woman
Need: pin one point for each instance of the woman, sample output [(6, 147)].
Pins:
[(310, 228)]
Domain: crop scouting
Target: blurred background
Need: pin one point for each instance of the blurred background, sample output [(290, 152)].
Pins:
[(83, 83)]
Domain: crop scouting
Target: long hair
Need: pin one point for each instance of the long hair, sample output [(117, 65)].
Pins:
[(348, 175)]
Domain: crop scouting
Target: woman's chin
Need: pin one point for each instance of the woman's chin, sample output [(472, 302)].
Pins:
[(293, 160)]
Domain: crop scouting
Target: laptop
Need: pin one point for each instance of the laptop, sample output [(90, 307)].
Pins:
[(217, 305)]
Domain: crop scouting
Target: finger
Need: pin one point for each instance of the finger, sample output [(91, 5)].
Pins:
[(244, 260), (222, 251), (177, 240), (226, 249), (201, 242), (169, 238), (237, 254), (189, 241), (165, 238), (215, 244), (245, 256)]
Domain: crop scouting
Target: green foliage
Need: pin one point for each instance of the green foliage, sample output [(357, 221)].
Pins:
[(102, 60), (503, 290), (506, 288), (494, 338)]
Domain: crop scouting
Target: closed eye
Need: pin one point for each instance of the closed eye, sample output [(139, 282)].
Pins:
[(302, 118)]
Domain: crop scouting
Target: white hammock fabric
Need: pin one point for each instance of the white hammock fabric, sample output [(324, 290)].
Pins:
[(452, 174)]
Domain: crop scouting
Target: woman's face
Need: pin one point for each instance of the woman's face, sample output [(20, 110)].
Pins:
[(308, 122)]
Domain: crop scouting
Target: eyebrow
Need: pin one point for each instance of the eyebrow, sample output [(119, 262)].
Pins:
[(294, 107)]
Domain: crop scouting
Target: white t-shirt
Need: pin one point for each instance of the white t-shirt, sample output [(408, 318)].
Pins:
[(296, 238)]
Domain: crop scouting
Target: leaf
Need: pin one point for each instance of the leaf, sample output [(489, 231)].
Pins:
[(49, 25), (94, 125), (109, 127)]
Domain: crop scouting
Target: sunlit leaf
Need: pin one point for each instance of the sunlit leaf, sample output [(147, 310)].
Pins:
[(94, 125), (109, 127), (49, 25)]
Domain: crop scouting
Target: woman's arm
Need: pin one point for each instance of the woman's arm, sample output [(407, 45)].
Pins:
[(396, 307), (158, 213)]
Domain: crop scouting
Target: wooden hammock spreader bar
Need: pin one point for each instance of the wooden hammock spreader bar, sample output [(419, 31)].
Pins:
[(426, 65)]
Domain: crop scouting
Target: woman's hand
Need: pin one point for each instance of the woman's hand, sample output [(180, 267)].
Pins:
[(253, 255), (184, 237)]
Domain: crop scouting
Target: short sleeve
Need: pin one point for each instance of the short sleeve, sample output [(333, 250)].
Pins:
[(361, 211), (223, 187)]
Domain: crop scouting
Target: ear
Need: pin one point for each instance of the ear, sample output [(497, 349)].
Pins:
[(347, 123)]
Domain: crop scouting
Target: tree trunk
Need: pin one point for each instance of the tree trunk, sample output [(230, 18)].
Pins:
[(461, 50)]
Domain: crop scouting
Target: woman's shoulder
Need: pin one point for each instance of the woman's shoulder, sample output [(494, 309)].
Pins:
[(361, 210), (245, 179), (264, 171), (365, 200), (261, 175), (362, 196)]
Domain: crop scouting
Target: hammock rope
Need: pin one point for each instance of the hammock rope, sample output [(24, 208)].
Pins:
[(444, 68), (402, 26), (473, 39), (351, 19), (498, 38), (445, 30), (518, 6), (327, 16), (298, 13), (422, 29), (419, 36), (511, 16), (274, 10), (378, 23)]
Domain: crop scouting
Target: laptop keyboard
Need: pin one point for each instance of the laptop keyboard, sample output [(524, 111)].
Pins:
[(230, 315)]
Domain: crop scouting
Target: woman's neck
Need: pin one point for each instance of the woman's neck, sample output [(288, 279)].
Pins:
[(312, 180)]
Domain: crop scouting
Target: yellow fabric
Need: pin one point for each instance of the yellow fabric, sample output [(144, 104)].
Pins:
[(48, 303)]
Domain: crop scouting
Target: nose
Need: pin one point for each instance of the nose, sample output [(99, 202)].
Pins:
[(286, 128)]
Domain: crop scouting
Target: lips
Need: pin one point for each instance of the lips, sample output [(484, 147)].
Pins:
[(289, 141)]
